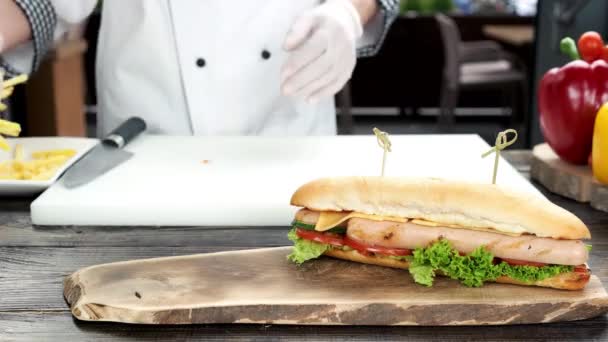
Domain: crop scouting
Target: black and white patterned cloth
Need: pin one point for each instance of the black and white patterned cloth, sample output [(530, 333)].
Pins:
[(389, 10), (43, 20)]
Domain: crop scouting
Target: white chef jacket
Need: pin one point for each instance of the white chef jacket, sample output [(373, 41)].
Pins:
[(193, 67)]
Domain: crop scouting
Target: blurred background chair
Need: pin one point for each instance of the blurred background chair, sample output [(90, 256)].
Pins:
[(479, 65)]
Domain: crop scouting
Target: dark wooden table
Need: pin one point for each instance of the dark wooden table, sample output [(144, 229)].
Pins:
[(34, 261)]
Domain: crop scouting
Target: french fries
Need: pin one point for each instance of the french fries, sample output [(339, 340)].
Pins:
[(4, 144), (9, 128), (41, 166), (53, 153), (6, 127), (9, 86), (11, 83)]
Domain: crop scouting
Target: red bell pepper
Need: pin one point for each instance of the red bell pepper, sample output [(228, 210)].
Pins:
[(569, 99)]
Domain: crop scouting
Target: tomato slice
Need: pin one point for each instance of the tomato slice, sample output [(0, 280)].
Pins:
[(338, 240), (367, 249), (583, 272), (327, 238), (523, 263)]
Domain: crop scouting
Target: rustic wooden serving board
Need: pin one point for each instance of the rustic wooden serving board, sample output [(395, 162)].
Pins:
[(571, 181), (261, 286)]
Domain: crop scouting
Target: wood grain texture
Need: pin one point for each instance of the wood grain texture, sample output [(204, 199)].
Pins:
[(34, 261), (599, 197), (261, 286), (571, 181), (26, 235), (31, 278), (61, 326)]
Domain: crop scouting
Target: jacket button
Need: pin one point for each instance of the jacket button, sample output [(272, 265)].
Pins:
[(266, 54), (200, 62)]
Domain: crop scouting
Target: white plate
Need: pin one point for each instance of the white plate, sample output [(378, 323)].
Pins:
[(28, 187)]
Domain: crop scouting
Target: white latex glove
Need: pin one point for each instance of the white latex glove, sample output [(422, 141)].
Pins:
[(322, 44)]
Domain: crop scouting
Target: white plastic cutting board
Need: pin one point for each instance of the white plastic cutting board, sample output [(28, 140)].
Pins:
[(248, 181)]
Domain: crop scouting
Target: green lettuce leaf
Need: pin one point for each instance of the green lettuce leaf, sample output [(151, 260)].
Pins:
[(422, 274), (304, 250), (471, 270), (300, 224), (532, 274)]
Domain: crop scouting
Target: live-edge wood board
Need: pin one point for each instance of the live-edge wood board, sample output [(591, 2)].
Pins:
[(262, 286)]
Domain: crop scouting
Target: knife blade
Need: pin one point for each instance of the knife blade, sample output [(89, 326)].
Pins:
[(105, 156)]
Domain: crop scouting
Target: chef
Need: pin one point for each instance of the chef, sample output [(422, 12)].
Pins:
[(217, 67)]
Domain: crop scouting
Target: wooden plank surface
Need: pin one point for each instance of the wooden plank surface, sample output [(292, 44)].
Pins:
[(141, 236), (33, 257), (261, 286), (32, 277), (60, 326), (573, 181)]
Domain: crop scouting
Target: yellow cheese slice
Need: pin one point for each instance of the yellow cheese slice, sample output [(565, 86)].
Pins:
[(426, 223), (328, 220), (435, 224)]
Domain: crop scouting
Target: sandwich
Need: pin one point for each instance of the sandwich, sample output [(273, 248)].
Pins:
[(473, 233)]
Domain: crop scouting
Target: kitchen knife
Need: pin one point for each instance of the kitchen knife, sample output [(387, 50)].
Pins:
[(105, 156)]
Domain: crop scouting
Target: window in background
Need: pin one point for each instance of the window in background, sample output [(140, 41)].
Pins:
[(526, 8)]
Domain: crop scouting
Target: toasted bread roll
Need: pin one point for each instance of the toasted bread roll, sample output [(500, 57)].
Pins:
[(473, 205)]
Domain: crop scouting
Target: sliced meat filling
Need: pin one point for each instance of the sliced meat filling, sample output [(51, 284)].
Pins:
[(525, 247), (411, 236)]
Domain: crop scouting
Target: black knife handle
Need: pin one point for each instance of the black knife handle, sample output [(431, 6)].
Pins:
[(126, 132)]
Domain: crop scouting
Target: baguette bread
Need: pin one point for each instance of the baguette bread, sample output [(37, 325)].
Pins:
[(465, 204), (564, 281)]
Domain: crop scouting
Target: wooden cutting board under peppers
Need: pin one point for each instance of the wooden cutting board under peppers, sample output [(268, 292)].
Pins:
[(573, 109), (571, 104)]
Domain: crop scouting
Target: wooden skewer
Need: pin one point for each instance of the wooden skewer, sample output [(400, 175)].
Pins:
[(502, 142), (385, 143)]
